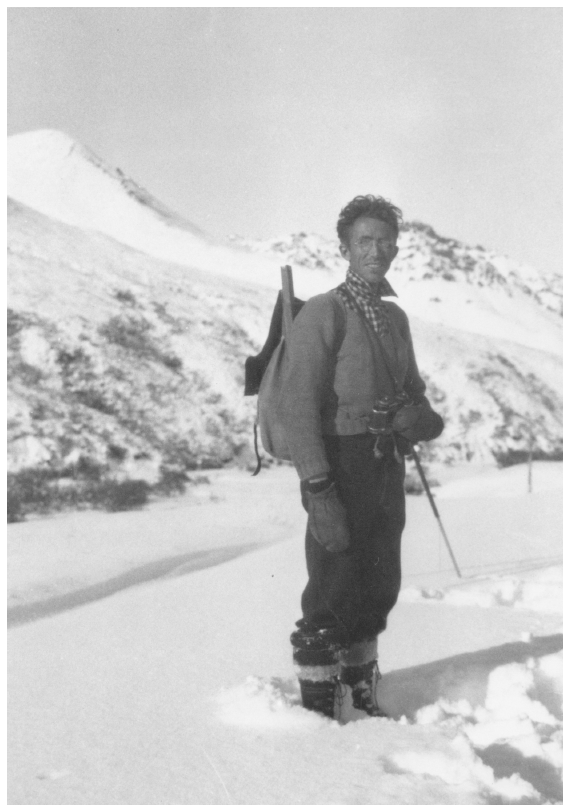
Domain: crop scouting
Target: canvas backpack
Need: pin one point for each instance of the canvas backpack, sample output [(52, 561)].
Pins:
[(263, 377), (264, 374)]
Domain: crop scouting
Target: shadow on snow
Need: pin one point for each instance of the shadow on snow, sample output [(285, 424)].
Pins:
[(173, 566)]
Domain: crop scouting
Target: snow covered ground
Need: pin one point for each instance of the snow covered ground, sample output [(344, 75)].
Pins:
[(180, 689)]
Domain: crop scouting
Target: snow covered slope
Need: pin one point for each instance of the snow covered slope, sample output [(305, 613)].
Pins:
[(114, 348), (55, 175), (110, 348), (62, 178)]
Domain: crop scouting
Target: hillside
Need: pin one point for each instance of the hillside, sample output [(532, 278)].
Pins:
[(117, 355), (128, 365)]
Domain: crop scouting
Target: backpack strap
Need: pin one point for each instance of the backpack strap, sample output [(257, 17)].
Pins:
[(377, 340), (341, 335), (256, 449)]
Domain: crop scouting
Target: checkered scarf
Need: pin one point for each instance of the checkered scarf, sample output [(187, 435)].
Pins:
[(355, 288)]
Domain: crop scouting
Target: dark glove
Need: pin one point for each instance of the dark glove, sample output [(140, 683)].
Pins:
[(405, 419), (417, 422), (327, 517)]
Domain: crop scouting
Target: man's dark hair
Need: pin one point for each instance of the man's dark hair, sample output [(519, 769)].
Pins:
[(368, 206)]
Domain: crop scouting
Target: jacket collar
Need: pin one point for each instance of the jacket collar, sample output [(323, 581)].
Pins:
[(361, 288)]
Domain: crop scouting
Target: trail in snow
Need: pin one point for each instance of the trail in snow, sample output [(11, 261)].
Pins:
[(167, 567)]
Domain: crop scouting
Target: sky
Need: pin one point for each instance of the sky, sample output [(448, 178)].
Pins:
[(263, 121)]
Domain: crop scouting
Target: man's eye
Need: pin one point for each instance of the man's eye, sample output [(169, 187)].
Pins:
[(364, 242)]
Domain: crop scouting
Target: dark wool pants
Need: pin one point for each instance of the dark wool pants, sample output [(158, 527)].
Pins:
[(354, 591)]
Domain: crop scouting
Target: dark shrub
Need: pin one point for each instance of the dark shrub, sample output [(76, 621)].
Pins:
[(14, 508), (126, 297), (516, 456), (413, 484), (14, 322), (171, 481), (26, 373), (127, 495), (94, 400), (30, 489), (211, 463), (128, 332), (79, 486), (116, 452), (172, 362), (87, 468)]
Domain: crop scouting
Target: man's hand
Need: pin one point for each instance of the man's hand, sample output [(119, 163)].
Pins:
[(405, 419), (417, 422), (327, 515)]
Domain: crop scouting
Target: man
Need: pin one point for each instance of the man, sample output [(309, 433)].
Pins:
[(352, 402)]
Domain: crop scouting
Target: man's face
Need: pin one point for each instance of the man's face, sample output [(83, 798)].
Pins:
[(370, 249)]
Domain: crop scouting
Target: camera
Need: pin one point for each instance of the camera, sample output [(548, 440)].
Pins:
[(380, 420)]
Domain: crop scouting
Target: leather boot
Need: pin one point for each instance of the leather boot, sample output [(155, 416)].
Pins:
[(360, 672), (320, 696), (363, 680), (316, 656)]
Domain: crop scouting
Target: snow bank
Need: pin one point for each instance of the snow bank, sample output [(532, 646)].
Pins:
[(273, 703), (514, 728), (538, 591), (503, 483), (506, 749), (438, 755)]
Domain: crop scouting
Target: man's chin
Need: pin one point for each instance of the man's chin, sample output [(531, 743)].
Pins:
[(375, 277)]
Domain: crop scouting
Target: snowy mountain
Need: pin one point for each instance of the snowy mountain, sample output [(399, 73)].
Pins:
[(64, 180), (129, 327)]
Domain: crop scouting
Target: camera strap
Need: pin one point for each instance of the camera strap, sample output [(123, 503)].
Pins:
[(387, 361), (378, 452)]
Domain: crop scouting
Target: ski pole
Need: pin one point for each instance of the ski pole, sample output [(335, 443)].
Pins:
[(434, 508)]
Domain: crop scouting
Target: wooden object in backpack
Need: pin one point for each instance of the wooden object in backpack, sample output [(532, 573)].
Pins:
[(288, 299)]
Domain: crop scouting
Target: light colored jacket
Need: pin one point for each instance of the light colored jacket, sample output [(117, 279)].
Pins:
[(331, 383)]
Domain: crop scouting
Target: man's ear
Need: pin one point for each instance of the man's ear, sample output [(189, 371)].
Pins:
[(343, 250)]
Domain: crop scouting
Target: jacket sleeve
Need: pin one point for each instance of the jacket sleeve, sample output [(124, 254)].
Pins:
[(309, 375), (429, 425)]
